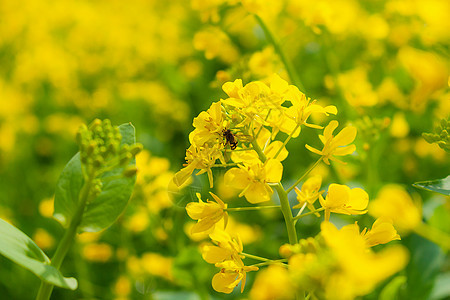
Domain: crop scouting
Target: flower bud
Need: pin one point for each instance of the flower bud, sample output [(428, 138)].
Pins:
[(130, 171), (95, 124), (136, 149), (125, 159)]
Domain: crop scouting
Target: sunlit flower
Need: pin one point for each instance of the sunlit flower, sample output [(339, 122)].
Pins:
[(382, 232), (253, 179), (207, 213), (43, 239), (231, 274), (272, 283), (343, 200), (208, 125), (358, 269), (202, 158), (394, 203), (335, 145), (228, 248), (309, 193), (302, 108), (100, 252), (156, 264)]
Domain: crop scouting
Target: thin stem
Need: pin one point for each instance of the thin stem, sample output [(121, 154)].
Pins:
[(287, 63), (271, 262), (286, 141), (252, 208), (309, 213), (46, 288), (287, 214), (225, 165), (304, 175), (284, 201), (255, 257)]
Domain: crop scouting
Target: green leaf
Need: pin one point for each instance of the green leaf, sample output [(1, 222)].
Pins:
[(391, 290), (19, 248), (441, 289), (441, 218), (426, 260), (107, 207), (441, 186)]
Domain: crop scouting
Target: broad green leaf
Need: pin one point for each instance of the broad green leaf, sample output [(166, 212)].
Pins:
[(107, 207), (441, 289), (18, 247), (391, 290), (441, 186), (441, 218), (426, 259)]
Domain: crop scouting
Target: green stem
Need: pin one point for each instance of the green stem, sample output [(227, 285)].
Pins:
[(304, 175), (271, 262), (309, 213), (255, 257), (225, 165), (251, 208), (46, 288), (286, 141), (287, 63), (284, 201), (436, 236), (287, 214)]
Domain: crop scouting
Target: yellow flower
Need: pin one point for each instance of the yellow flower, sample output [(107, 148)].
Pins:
[(395, 203), (272, 283), (216, 43), (255, 99), (302, 108), (227, 248), (156, 264), (309, 193), (43, 239), (231, 274), (207, 214), (202, 158), (100, 252), (358, 270), (253, 179), (208, 125), (269, 148), (343, 200), (382, 232), (335, 145)]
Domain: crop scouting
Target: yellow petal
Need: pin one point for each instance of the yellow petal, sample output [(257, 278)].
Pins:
[(258, 192), (214, 254), (359, 199), (236, 178), (202, 225), (273, 148), (274, 170), (328, 131), (195, 210), (346, 136), (224, 282)]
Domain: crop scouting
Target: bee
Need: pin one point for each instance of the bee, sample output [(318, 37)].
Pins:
[(229, 138)]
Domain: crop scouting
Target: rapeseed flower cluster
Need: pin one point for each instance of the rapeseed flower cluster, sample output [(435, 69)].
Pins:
[(241, 133)]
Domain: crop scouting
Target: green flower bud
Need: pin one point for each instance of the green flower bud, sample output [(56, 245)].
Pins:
[(130, 171), (98, 162), (91, 148), (95, 124), (125, 159), (136, 149)]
